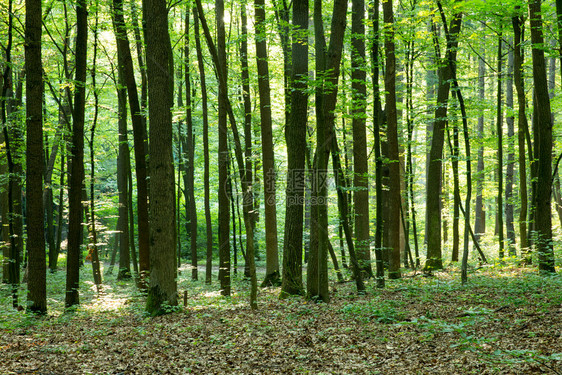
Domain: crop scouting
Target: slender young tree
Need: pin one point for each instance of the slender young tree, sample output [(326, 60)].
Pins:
[(75, 231), (268, 160), (479, 211), (163, 266), (37, 283), (434, 172), (522, 129), (223, 193), (206, 183), (499, 135), (139, 132), (510, 162)]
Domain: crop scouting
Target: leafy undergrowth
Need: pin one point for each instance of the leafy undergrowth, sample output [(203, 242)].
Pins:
[(505, 321)]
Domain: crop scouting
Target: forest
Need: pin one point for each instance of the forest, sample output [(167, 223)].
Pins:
[(303, 186)]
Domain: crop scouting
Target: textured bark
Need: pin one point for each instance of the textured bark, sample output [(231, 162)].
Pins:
[(393, 225), (37, 271), (75, 231), (543, 148), (360, 162), (163, 263), (295, 135), (269, 174)]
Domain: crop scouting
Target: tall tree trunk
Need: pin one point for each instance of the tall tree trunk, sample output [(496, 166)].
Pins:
[(163, 268), (122, 183), (499, 135), (224, 210), (247, 184), (206, 183), (543, 147), (392, 137), (360, 164), (96, 272), (377, 120), (479, 211), (522, 130), (509, 174), (75, 231), (189, 147), (37, 283), (295, 135), (433, 205), (272, 259), (139, 136)]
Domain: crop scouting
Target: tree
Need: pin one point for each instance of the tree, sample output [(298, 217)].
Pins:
[(77, 163), (37, 284), (163, 269), (543, 148), (393, 225), (433, 193), (360, 157), (206, 184), (272, 259), (139, 132), (223, 193), (295, 136)]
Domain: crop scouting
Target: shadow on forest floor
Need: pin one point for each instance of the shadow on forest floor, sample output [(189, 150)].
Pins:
[(505, 321)]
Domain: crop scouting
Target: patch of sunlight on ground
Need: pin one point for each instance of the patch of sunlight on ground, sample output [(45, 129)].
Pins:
[(106, 299)]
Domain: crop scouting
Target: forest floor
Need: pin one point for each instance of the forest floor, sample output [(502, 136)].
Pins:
[(506, 320)]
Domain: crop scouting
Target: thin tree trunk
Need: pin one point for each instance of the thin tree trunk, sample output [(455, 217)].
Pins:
[(479, 212), (377, 120), (499, 135), (509, 174), (269, 174), (139, 135), (75, 231), (522, 130), (206, 183)]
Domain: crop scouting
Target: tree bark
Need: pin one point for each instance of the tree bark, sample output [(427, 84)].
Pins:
[(360, 162), (75, 231), (295, 135), (543, 147), (37, 270), (392, 137), (163, 267), (269, 174)]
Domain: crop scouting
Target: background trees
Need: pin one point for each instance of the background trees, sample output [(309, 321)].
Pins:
[(281, 177)]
